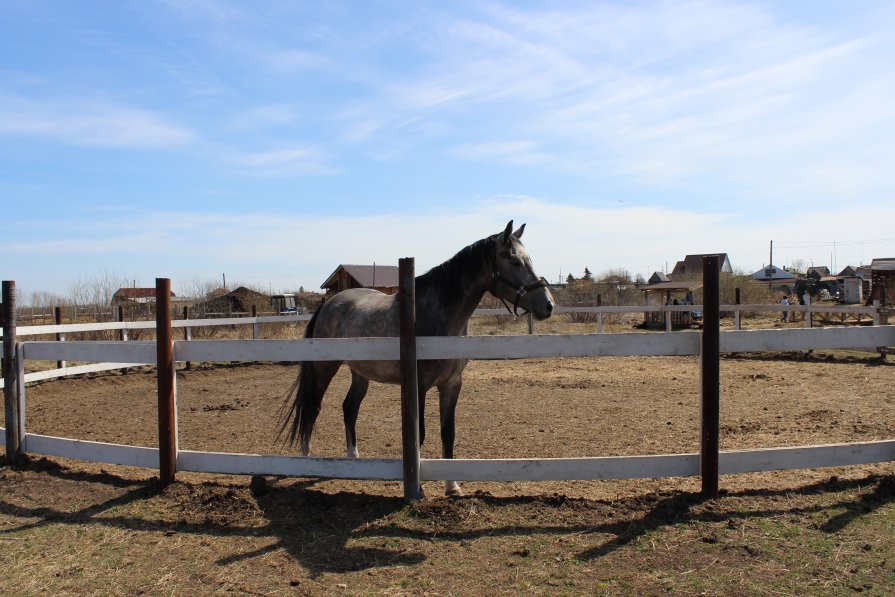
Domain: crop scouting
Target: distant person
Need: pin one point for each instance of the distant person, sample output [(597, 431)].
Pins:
[(785, 301)]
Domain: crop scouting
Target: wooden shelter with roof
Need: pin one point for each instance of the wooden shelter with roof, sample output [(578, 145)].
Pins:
[(383, 278), (670, 293), (882, 281)]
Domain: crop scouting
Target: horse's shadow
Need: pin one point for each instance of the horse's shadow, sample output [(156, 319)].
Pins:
[(349, 531)]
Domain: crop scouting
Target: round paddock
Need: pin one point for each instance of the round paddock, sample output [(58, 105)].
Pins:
[(534, 408)]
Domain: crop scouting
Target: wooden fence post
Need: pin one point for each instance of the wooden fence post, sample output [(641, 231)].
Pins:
[(736, 314), (410, 415), (809, 319), (10, 374), (256, 327), (60, 336), (122, 333), (710, 377), (187, 333), (883, 302), (167, 412), (599, 314)]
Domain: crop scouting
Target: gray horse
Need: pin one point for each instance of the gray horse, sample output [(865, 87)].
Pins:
[(446, 297)]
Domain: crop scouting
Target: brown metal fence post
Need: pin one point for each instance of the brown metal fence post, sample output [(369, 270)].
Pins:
[(410, 416), (710, 377), (10, 374), (167, 416)]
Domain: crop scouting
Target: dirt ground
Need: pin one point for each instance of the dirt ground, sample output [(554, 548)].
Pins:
[(527, 408), (642, 536)]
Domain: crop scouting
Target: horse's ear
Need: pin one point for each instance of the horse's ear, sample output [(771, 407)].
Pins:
[(505, 235), (518, 233)]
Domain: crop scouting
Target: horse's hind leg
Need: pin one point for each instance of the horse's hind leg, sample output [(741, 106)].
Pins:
[(350, 408), (448, 394), (318, 379)]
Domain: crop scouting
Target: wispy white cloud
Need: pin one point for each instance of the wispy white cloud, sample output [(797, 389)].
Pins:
[(93, 124), (519, 153), (661, 92), (281, 162)]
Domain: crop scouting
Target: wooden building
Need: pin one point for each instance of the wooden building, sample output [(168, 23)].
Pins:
[(691, 267), (383, 278), (776, 278)]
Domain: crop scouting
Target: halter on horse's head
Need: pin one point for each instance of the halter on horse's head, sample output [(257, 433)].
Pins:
[(514, 279)]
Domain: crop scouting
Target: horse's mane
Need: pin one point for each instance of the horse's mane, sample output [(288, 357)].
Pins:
[(446, 279)]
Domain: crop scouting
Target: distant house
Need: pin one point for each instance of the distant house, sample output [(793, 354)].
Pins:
[(383, 278), (818, 272), (134, 296), (691, 267), (776, 277), (658, 277)]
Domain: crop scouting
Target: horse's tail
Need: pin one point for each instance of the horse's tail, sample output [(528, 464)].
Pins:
[(302, 402)]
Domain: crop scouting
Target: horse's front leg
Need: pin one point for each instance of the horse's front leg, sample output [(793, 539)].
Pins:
[(350, 408), (448, 394)]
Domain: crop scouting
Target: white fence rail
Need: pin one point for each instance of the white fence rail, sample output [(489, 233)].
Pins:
[(563, 347), (490, 347)]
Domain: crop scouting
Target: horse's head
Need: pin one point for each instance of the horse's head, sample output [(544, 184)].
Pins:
[(514, 279)]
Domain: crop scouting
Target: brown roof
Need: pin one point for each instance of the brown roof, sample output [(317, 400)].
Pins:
[(691, 266), (691, 285), (884, 264), (368, 276)]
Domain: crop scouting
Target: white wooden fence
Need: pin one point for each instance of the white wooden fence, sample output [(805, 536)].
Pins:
[(486, 347), (188, 324)]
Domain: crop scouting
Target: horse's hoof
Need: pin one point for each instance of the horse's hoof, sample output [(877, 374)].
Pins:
[(258, 486), (453, 490)]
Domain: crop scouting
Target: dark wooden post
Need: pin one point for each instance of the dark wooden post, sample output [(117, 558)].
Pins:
[(10, 374), (737, 314), (60, 337), (167, 416), (122, 333), (410, 415), (256, 327), (883, 302), (187, 333), (710, 376)]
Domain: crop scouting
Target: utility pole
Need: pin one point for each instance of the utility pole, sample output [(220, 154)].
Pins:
[(771, 270)]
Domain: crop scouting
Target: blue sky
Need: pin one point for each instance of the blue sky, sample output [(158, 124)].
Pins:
[(272, 141)]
